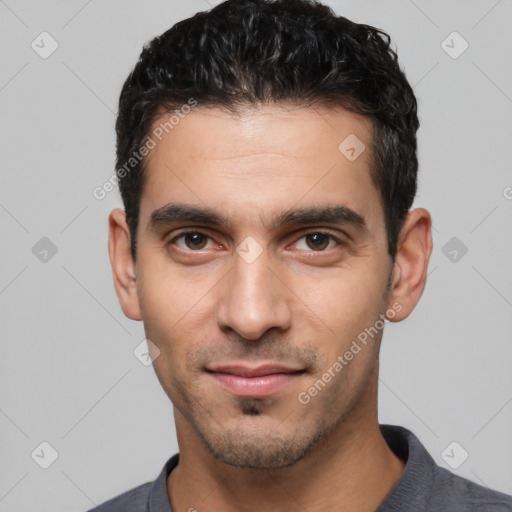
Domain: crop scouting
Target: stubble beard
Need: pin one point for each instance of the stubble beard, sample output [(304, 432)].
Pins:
[(292, 439), (265, 451)]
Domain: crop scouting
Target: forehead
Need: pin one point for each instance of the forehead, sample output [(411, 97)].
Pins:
[(303, 132), (260, 160)]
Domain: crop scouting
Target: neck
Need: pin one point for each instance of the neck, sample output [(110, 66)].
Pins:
[(354, 466)]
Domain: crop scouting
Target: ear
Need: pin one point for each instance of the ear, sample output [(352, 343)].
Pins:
[(123, 266), (411, 262)]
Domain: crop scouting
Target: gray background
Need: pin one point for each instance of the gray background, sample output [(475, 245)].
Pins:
[(68, 373)]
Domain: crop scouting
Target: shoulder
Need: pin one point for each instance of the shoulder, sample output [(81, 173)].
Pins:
[(457, 493), (133, 500), (425, 486), (149, 496)]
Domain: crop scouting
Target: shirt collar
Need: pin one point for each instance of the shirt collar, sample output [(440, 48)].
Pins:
[(158, 499), (414, 486)]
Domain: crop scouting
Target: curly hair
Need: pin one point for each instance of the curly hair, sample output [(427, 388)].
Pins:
[(248, 52)]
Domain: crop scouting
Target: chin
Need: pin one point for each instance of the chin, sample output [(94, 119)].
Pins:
[(254, 443)]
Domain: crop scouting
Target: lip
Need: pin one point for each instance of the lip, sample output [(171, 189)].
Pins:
[(257, 381)]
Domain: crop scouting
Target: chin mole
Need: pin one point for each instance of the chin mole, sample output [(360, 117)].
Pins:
[(251, 407)]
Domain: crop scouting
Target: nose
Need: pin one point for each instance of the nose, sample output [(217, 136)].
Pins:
[(253, 299)]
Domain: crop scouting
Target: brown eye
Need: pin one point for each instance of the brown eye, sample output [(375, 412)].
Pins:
[(317, 241), (195, 240), (191, 240)]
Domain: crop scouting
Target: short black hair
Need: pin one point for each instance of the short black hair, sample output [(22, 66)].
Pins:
[(244, 53)]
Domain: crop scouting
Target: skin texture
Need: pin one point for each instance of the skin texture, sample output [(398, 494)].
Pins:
[(301, 303)]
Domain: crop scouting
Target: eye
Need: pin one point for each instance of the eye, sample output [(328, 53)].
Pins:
[(317, 241), (191, 240), (195, 241)]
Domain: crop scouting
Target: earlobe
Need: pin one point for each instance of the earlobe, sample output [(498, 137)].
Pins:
[(411, 262), (123, 267)]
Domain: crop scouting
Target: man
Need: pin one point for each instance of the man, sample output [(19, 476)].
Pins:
[(267, 162)]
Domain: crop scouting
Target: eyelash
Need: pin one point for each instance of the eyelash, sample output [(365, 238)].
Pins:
[(185, 233)]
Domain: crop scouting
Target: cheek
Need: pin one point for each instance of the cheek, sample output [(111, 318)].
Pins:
[(168, 297), (166, 307), (345, 302), (177, 311)]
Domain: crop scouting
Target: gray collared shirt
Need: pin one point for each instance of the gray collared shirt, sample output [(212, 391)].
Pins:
[(423, 487)]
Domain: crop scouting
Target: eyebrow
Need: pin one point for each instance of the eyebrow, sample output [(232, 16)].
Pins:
[(330, 214)]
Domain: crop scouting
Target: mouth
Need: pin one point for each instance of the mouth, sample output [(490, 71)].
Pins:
[(255, 382)]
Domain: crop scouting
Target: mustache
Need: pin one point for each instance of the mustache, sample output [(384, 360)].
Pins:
[(275, 349)]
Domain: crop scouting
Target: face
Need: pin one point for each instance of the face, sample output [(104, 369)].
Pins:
[(262, 257)]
